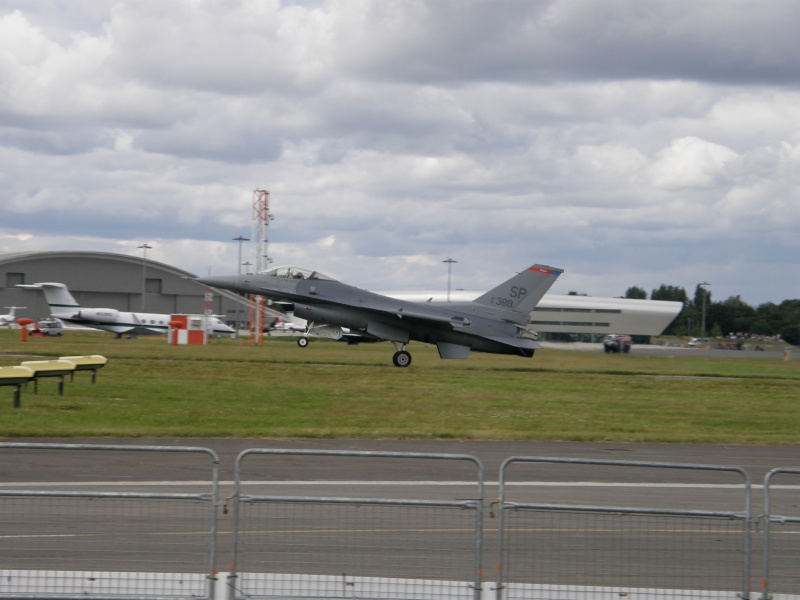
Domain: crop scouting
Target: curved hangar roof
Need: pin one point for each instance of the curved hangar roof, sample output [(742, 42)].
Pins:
[(101, 257), (98, 279)]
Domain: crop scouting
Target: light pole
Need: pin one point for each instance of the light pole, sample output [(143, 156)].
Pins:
[(240, 239), (144, 247), (705, 294), (449, 262), (247, 265)]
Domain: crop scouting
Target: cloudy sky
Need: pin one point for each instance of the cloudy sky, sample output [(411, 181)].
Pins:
[(627, 142)]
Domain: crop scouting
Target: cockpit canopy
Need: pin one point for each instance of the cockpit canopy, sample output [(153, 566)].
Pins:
[(295, 272)]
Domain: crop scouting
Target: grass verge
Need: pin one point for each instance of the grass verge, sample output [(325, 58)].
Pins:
[(330, 390)]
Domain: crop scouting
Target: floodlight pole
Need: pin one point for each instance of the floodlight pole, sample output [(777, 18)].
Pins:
[(449, 262), (705, 294), (240, 239), (144, 247)]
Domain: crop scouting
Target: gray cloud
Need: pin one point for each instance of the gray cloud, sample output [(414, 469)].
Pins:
[(630, 143)]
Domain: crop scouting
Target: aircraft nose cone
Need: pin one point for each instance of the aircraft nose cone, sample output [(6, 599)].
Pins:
[(224, 282), (217, 280)]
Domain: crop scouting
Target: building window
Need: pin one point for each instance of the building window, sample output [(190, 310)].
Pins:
[(614, 311), (153, 286), (571, 323)]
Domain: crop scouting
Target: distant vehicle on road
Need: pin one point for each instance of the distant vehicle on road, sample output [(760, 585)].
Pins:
[(617, 343), (48, 327), (695, 342)]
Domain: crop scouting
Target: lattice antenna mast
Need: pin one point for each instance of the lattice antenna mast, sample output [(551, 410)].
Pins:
[(261, 219)]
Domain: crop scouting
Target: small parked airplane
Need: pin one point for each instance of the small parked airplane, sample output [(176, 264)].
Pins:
[(65, 308), (496, 322), (10, 318)]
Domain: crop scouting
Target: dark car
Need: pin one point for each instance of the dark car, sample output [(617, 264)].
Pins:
[(617, 343)]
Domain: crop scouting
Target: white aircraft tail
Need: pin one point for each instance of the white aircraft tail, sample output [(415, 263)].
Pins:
[(521, 293), (56, 294)]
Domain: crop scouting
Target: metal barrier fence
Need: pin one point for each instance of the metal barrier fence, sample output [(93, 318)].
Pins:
[(345, 547), (60, 543), (781, 537), (89, 544), (573, 551)]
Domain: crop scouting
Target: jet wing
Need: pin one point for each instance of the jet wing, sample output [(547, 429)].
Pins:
[(456, 321), (397, 324)]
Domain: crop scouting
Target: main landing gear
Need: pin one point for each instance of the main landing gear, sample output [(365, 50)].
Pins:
[(302, 342), (401, 358)]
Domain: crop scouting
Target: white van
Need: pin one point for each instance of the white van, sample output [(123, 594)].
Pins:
[(51, 327)]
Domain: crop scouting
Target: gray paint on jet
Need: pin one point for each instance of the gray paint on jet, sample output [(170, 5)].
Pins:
[(496, 322)]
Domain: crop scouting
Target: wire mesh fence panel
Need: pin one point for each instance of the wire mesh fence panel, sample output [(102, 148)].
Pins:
[(784, 557), (72, 539), (355, 549), (610, 548), (781, 560), (324, 546), (586, 554), (60, 544)]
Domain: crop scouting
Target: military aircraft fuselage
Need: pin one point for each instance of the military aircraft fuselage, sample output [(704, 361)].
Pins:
[(335, 303), (496, 322)]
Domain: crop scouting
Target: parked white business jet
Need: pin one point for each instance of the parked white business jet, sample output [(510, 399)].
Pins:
[(10, 318), (65, 308)]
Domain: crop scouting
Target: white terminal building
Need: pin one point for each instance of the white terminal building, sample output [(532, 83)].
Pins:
[(580, 318)]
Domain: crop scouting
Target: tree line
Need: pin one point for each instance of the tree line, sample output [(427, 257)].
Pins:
[(729, 317)]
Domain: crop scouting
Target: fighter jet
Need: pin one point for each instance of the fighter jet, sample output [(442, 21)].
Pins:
[(64, 307), (496, 322)]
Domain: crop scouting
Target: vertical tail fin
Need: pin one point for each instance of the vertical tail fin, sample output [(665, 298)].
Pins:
[(522, 292), (56, 294)]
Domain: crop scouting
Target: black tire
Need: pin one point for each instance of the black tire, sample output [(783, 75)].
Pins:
[(302, 342), (401, 359)]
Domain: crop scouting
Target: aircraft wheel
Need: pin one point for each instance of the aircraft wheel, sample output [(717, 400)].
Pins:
[(401, 358), (302, 342)]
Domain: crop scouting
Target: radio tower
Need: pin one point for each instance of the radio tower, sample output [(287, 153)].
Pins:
[(261, 219)]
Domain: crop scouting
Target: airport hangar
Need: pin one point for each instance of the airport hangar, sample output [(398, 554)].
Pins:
[(108, 280)]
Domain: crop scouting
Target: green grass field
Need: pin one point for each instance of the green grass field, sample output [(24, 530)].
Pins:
[(230, 388)]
